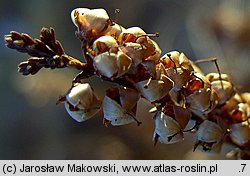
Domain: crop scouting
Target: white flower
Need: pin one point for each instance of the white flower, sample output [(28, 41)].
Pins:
[(87, 20), (119, 106), (154, 90), (81, 102), (167, 130)]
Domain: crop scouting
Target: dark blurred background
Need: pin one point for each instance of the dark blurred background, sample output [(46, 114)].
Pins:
[(32, 126)]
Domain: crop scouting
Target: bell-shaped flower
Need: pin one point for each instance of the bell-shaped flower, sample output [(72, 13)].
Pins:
[(208, 135), (178, 68), (81, 102), (109, 61), (91, 22), (240, 133), (167, 130), (112, 65), (224, 92), (119, 106), (154, 90)]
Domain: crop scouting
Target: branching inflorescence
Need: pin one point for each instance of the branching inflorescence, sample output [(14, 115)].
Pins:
[(129, 58)]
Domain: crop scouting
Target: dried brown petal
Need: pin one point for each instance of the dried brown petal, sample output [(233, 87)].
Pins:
[(105, 63), (174, 59), (135, 51), (123, 62), (171, 59), (231, 104), (180, 78), (185, 62)]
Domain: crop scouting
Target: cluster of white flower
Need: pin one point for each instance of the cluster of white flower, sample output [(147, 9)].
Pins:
[(129, 58), (175, 85)]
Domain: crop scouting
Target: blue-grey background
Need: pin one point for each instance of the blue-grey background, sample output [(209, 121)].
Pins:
[(32, 126)]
